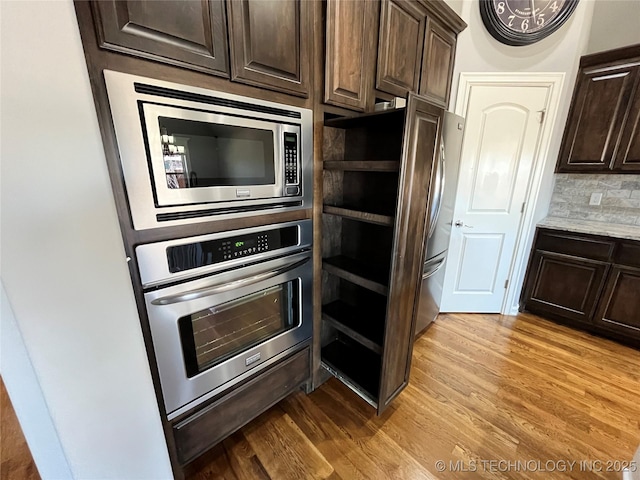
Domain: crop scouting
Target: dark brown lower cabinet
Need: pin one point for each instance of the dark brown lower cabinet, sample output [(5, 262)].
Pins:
[(565, 285), (585, 280), (619, 308)]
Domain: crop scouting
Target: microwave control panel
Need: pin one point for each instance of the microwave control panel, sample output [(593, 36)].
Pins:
[(201, 254), (291, 176)]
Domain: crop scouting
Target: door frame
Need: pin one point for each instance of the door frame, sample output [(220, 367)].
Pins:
[(553, 82)]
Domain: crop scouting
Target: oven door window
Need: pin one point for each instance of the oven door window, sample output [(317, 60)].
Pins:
[(203, 154), (211, 336)]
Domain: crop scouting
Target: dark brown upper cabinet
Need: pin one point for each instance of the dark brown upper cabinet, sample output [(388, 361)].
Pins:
[(628, 153), (437, 63), (350, 53), (601, 133), (400, 46), (416, 48), (270, 44), (415, 52), (189, 34)]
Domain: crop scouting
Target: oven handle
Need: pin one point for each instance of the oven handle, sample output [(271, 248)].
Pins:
[(223, 287)]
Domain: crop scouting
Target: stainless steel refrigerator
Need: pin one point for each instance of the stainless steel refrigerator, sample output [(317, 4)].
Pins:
[(445, 180)]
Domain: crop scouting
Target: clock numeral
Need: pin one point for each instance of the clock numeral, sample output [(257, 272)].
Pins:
[(501, 8), (540, 20), (525, 25), (554, 7), (511, 19)]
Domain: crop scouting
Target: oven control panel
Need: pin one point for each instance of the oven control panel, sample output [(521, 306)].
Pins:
[(209, 252), (246, 246)]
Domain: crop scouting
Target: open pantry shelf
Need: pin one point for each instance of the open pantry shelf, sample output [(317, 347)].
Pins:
[(355, 366), (362, 195), (353, 214), (363, 166), (375, 191), (367, 120), (366, 275), (364, 324)]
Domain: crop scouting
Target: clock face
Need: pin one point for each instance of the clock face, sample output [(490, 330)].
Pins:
[(522, 22)]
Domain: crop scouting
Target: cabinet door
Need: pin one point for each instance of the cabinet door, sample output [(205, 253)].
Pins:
[(437, 63), (596, 117), (564, 286), (190, 34), (269, 44), (619, 309), (628, 154), (350, 53), (400, 46), (420, 144)]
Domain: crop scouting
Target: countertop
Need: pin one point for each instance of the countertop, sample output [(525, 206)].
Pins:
[(631, 232)]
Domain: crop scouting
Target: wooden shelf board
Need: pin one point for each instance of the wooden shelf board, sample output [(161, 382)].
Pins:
[(363, 324), (378, 219), (366, 119), (363, 166), (356, 272)]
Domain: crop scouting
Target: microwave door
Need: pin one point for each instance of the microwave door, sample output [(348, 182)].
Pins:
[(203, 157)]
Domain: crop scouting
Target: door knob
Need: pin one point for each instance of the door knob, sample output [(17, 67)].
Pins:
[(460, 223)]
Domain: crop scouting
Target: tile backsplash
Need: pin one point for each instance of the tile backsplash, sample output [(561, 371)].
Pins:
[(620, 197)]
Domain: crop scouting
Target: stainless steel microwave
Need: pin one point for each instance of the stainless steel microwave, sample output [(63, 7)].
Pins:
[(190, 154)]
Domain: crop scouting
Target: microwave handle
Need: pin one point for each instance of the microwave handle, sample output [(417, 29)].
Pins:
[(223, 287)]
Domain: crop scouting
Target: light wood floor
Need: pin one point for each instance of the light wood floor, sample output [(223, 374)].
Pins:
[(484, 389)]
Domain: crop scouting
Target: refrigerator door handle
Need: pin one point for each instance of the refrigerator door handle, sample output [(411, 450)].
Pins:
[(433, 269), (436, 205)]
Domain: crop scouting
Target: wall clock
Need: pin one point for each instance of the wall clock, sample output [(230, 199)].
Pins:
[(523, 22)]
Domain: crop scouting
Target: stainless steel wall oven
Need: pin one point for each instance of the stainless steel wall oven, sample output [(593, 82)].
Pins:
[(224, 305), (189, 154)]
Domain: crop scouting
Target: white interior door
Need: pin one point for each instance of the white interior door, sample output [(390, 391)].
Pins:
[(502, 135)]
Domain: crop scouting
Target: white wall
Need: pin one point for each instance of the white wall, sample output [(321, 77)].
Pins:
[(616, 23), (31, 409), (63, 264), (636, 460), (478, 51)]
